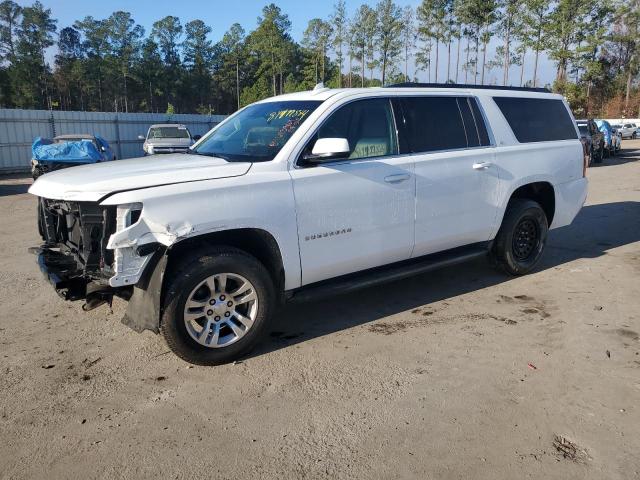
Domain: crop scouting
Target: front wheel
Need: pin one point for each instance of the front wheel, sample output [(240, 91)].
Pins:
[(522, 237), (217, 306)]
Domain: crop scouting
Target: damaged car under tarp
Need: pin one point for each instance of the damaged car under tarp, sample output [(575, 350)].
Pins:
[(67, 151)]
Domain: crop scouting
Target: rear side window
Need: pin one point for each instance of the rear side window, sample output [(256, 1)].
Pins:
[(480, 125), (432, 124), (474, 125), (537, 119)]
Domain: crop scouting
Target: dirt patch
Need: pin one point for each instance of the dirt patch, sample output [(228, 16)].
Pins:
[(626, 333), (530, 311), (570, 450), (388, 328)]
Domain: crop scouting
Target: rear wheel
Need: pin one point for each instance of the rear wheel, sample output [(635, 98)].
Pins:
[(598, 155), (218, 304), (522, 237)]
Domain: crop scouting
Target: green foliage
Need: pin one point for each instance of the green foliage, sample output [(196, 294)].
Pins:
[(109, 64)]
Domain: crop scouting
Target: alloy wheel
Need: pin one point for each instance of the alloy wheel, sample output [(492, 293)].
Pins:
[(220, 310)]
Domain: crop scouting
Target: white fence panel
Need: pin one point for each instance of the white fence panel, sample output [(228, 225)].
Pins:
[(19, 128)]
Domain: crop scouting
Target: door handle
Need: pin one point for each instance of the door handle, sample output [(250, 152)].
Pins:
[(401, 177), (482, 165)]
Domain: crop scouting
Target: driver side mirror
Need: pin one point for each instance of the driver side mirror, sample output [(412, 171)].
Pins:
[(141, 137), (327, 149), (197, 137)]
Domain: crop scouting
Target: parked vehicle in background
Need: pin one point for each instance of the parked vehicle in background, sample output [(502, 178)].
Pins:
[(593, 140), (626, 130), (611, 139), (310, 194), (167, 138), (617, 139), (66, 151)]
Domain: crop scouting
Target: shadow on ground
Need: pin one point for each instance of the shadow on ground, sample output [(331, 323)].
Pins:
[(597, 229), (627, 155)]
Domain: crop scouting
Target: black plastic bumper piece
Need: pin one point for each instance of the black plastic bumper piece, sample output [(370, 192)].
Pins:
[(62, 272)]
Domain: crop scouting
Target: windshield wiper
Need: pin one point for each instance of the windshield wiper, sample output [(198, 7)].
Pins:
[(209, 154)]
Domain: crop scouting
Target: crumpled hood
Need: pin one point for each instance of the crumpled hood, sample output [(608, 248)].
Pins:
[(90, 183)]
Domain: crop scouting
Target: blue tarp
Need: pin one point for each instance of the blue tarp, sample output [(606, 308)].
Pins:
[(85, 151)]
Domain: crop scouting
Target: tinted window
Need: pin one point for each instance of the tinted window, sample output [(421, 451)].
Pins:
[(473, 137), (537, 119), (366, 124), (432, 124), (480, 124)]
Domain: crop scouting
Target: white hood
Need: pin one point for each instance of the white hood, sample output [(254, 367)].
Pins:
[(90, 183)]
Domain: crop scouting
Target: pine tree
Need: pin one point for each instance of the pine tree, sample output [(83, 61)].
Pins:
[(340, 29)]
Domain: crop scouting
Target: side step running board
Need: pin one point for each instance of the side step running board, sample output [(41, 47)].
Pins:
[(388, 273)]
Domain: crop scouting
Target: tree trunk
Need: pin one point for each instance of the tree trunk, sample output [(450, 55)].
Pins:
[(384, 68), (484, 58), (475, 66), (406, 62), (238, 81), (627, 93), (437, 58), (507, 58), (362, 73), (126, 103), (340, 65), (524, 52), (535, 68), (100, 91), (466, 64), (449, 60), (458, 58)]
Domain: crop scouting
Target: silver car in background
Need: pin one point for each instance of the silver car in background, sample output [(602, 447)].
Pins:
[(627, 130), (167, 138)]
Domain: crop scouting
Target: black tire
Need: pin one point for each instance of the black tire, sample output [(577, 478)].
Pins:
[(41, 228), (524, 219), (600, 154), (193, 271)]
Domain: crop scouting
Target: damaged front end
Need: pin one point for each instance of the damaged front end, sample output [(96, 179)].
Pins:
[(76, 256)]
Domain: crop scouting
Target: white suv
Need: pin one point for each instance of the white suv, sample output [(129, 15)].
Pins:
[(310, 194)]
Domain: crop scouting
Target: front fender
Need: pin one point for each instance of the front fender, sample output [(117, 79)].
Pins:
[(145, 305)]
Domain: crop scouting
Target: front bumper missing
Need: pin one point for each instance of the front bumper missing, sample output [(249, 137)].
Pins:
[(62, 272), (143, 309)]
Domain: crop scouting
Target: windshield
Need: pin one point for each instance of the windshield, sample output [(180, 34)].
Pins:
[(168, 132), (258, 132)]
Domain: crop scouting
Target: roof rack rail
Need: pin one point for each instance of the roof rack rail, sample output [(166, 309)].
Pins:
[(462, 85)]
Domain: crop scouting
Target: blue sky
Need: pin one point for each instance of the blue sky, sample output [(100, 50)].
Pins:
[(220, 15)]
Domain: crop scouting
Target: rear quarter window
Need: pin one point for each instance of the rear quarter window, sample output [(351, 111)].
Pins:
[(537, 119)]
